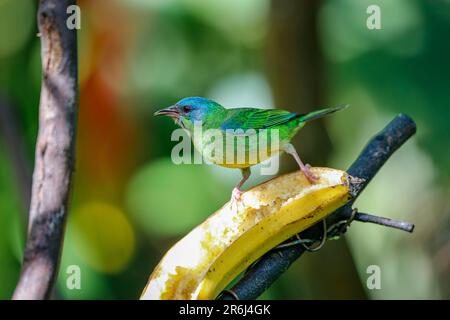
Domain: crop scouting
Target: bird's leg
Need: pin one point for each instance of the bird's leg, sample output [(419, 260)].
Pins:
[(237, 193), (289, 148)]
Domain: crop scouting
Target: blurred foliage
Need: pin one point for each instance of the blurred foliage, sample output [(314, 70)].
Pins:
[(131, 203), (157, 191)]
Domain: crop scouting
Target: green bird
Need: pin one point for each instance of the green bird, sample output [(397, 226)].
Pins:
[(255, 127)]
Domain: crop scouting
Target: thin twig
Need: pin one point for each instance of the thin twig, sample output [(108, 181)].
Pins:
[(397, 224), (54, 159), (274, 263)]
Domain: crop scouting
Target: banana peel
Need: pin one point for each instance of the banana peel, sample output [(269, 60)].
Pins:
[(206, 260)]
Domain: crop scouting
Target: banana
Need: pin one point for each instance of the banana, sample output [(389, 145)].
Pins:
[(205, 261)]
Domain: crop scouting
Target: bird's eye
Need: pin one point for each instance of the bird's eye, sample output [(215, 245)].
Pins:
[(187, 109)]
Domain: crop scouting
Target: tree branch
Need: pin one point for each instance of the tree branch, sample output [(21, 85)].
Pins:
[(54, 159), (274, 263)]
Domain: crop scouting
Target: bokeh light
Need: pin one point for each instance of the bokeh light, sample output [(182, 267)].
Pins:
[(106, 240)]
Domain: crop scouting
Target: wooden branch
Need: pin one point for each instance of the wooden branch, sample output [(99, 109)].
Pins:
[(382, 221), (54, 159), (274, 263)]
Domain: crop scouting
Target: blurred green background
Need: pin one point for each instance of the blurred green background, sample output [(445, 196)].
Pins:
[(131, 203)]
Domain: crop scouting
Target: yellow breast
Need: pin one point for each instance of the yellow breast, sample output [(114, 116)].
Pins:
[(234, 152)]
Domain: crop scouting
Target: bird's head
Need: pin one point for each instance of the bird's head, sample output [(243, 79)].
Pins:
[(187, 111)]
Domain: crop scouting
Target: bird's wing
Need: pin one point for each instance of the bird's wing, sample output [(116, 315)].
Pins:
[(249, 118)]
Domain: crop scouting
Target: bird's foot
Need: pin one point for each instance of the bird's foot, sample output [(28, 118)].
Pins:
[(236, 199), (308, 174), (236, 195)]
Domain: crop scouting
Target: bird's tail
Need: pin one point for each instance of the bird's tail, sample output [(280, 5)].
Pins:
[(321, 113)]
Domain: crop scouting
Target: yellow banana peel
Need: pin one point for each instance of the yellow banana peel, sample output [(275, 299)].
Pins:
[(205, 261)]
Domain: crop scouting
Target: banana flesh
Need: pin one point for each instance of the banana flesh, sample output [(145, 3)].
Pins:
[(206, 260)]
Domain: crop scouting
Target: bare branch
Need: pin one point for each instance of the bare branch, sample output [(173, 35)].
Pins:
[(274, 263), (54, 159), (401, 225)]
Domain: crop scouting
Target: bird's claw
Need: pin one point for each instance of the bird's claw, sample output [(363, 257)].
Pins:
[(236, 199), (236, 195), (308, 174)]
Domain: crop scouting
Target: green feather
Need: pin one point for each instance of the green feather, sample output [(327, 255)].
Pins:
[(320, 113), (249, 118)]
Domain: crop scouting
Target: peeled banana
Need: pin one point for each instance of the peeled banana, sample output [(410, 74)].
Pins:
[(205, 261)]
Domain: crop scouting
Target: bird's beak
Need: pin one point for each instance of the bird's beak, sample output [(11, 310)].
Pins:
[(171, 111)]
